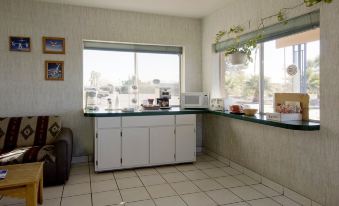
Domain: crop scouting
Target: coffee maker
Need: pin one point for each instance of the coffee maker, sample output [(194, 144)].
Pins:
[(91, 100), (164, 96)]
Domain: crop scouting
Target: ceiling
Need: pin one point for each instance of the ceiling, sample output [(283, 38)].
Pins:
[(184, 8)]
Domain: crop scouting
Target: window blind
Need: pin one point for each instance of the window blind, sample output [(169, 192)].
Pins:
[(126, 47), (294, 25)]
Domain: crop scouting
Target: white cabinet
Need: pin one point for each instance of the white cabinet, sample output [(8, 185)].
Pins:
[(135, 147), (185, 148), (140, 141), (162, 145), (148, 121), (185, 142), (108, 149)]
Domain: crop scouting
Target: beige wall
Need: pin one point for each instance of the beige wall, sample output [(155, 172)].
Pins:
[(307, 162), (23, 90)]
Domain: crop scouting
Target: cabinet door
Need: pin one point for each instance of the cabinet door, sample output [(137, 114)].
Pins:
[(135, 147), (185, 143), (108, 149), (162, 145)]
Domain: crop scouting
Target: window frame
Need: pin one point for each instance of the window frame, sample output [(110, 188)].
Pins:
[(135, 49), (261, 49)]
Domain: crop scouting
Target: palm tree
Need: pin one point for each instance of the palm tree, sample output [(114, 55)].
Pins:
[(312, 75), (233, 82), (252, 87)]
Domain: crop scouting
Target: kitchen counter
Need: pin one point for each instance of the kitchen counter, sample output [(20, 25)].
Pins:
[(258, 118), (261, 119), (119, 113)]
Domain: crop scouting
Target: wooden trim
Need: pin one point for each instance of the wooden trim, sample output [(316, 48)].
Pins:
[(46, 70), (44, 49)]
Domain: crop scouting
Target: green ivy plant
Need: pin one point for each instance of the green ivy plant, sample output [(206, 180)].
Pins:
[(245, 48), (248, 46), (310, 3)]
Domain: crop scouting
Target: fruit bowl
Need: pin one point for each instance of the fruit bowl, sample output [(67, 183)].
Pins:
[(250, 112)]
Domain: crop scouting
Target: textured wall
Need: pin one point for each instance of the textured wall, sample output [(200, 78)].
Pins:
[(23, 90), (307, 162)]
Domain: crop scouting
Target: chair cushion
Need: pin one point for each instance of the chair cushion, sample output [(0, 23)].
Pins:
[(28, 154), (28, 131)]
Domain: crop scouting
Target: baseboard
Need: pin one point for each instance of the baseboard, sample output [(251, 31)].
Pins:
[(80, 159), (199, 150)]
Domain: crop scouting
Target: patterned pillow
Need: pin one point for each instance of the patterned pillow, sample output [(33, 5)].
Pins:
[(28, 131)]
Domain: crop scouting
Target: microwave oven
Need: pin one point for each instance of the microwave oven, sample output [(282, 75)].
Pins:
[(195, 100)]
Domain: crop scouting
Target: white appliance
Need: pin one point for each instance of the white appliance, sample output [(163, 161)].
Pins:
[(217, 104), (91, 100), (195, 100)]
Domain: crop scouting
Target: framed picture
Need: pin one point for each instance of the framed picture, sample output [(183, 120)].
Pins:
[(54, 70), (21, 44), (53, 45)]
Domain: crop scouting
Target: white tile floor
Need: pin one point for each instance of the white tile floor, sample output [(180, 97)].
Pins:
[(208, 182)]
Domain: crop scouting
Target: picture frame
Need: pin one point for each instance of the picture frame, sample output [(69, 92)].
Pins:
[(54, 70), (53, 45), (19, 44)]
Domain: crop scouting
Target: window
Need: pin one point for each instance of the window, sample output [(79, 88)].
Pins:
[(302, 50), (242, 85), (128, 75)]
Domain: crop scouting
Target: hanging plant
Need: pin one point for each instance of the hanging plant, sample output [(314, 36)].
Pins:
[(238, 53), (244, 50), (310, 3)]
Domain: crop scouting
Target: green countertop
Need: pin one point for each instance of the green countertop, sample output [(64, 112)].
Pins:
[(119, 113), (259, 119)]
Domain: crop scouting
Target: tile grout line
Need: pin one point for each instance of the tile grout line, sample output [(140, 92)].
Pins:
[(270, 197), (63, 188), (215, 166), (146, 187), (223, 185), (176, 191), (224, 188), (90, 183), (249, 185), (246, 201), (260, 182), (62, 193), (116, 182), (205, 192)]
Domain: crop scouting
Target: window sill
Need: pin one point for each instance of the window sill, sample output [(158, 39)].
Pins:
[(261, 119)]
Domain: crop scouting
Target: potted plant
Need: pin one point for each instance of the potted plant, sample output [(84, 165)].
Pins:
[(310, 3), (238, 53)]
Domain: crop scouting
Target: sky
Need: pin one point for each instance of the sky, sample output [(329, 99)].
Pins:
[(116, 67)]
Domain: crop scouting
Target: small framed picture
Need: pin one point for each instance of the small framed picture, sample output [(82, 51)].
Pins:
[(21, 44), (53, 45), (54, 70)]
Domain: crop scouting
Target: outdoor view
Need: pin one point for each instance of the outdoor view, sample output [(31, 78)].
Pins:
[(301, 50), (129, 78)]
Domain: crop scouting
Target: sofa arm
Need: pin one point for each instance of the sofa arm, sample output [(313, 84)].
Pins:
[(63, 152)]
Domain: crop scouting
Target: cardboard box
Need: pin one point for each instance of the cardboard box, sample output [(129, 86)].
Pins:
[(280, 117), (281, 98)]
